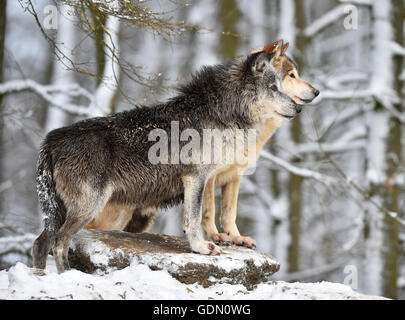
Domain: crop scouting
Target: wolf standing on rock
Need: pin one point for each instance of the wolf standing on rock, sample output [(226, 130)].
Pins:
[(100, 161), (124, 217)]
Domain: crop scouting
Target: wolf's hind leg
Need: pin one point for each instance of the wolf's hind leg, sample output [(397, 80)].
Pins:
[(193, 196), (229, 201), (40, 250), (73, 224), (79, 213), (140, 222)]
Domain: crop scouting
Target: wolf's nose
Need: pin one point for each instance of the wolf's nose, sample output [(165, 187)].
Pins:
[(316, 92), (298, 109)]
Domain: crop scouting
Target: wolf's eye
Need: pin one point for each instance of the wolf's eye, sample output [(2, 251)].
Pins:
[(274, 88), (292, 75)]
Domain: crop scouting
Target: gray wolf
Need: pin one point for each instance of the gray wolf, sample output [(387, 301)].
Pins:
[(116, 217), (101, 161)]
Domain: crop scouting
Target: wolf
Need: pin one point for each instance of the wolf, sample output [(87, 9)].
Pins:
[(116, 216), (101, 161)]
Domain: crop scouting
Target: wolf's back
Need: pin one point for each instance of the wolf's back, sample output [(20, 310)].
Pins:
[(51, 204)]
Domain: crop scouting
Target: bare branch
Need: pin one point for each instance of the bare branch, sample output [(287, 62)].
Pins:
[(366, 196), (19, 243), (351, 140), (302, 172), (325, 20), (49, 93), (358, 2)]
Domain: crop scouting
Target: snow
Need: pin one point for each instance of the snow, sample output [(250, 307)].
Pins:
[(139, 282)]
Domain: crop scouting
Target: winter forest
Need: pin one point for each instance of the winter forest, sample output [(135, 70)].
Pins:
[(327, 198)]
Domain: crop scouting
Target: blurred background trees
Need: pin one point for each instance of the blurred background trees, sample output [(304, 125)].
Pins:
[(328, 191)]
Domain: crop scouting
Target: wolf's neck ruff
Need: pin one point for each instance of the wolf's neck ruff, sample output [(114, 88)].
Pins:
[(221, 94)]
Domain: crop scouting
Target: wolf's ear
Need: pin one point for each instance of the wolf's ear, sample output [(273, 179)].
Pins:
[(270, 47), (261, 62), (279, 48), (285, 47)]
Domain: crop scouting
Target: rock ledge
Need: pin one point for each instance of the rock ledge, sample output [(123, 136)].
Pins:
[(103, 251)]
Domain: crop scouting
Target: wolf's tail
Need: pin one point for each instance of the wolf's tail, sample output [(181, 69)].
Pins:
[(52, 207)]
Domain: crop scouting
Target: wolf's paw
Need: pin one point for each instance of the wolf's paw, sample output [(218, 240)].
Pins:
[(221, 239), (206, 247), (244, 241)]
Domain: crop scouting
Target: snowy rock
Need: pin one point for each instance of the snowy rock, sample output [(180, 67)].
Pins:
[(105, 251)]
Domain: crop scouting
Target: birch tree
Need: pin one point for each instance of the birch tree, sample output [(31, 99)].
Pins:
[(385, 151), (3, 6), (102, 101), (62, 77), (107, 87), (295, 182)]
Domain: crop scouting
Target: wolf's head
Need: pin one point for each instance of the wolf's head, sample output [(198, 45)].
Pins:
[(297, 89), (269, 84)]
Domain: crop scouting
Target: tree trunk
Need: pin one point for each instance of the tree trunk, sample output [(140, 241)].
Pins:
[(384, 154), (229, 14), (3, 5), (391, 242), (104, 100), (98, 23), (60, 75), (295, 182)]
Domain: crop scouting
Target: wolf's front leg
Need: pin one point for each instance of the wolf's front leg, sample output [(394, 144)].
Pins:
[(194, 186), (208, 216), (229, 201)]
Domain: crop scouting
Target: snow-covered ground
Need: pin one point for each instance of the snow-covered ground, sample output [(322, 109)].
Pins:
[(139, 282)]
